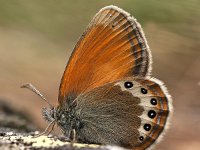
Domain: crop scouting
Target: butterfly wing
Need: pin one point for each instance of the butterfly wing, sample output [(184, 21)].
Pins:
[(112, 47), (131, 113)]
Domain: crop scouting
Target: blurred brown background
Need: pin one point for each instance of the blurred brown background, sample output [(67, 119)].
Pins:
[(37, 37)]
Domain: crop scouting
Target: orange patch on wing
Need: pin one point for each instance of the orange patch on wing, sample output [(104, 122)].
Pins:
[(110, 49)]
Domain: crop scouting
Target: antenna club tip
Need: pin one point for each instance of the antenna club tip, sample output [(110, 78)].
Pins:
[(25, 85), (33, 89)]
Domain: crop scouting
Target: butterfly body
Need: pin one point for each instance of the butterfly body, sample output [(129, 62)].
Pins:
[(107, 95)]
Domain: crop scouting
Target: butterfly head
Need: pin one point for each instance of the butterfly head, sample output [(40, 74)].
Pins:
[(63, 115)]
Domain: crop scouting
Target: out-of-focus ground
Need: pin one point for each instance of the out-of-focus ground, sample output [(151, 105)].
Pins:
[(37, 37)]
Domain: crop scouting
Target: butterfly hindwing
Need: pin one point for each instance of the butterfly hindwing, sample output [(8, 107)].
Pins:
[(112, 47), (131, 113), (157, 104)]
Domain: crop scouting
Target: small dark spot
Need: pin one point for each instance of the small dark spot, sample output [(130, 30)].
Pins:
[(128, 84), (141, 138), (63, 138), (2, 134), (151, 114), (19, 140), (28, 144), (143, 91), (12, 142), (153, 101), (81, 125), (32, 134), (147, 127)]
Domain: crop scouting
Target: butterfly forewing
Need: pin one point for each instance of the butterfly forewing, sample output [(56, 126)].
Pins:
[(131, 113), (112, 47)]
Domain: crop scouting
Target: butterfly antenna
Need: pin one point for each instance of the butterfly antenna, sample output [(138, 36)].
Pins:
[(33, 89)]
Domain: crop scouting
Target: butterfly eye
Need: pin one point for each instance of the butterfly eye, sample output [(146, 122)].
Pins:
[(143, 91), (141, 138), (153, 101), (151, 114), (128, 84), (147, 127)]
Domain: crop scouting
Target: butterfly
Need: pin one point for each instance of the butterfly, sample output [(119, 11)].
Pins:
[(107, 95)]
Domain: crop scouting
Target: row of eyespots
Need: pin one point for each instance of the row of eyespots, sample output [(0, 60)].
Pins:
[(151, 113), (129, 85)]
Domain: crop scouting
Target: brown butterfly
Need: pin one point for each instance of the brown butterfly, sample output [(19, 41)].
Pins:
[(106, 94)]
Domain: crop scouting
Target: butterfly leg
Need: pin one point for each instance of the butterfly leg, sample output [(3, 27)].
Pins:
[(74, 136), (47, 131)]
